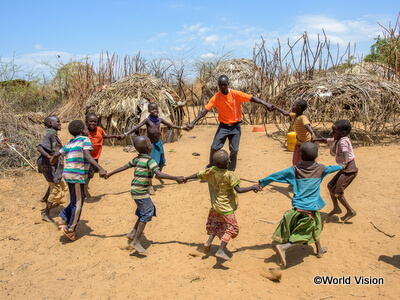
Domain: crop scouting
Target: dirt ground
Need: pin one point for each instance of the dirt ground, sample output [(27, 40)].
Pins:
[(38, 262)]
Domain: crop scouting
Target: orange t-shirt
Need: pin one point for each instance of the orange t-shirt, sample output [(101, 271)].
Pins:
[(229, 106), (96, 137)]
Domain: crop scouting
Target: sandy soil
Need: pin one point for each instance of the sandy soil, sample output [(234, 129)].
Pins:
[(38, 262)]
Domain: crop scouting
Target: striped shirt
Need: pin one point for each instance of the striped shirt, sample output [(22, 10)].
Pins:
[(145, 167), (299, 125), (76, 166)]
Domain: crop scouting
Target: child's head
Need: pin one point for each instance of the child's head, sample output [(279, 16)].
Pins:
[(91, 121), (223, 84), (221, 159), (77, 127), (142, 144), (340, 129), (299, 106), (52, 122), (309, 151), (153, 109)]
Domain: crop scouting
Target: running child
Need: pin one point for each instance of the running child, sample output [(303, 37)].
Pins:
[(52, 173), (301, 125), (96, 136), (223, 186), (342, 149), (152, 123), (78, 159), (301, 224), (145, 167)]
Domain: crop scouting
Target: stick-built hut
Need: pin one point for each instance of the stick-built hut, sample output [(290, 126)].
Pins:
[(123, 104), (244, 75)]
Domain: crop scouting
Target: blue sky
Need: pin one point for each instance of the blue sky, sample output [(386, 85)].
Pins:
[(36, 31)]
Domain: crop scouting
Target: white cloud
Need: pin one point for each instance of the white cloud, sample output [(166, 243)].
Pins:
[(37, 46), (212, 38)]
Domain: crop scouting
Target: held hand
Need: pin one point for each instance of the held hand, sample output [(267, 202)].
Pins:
[(106, 176), (270, 107), (189, 126), (102, 173), (53, 160), (121, 137), (256, 188), (180, 179)]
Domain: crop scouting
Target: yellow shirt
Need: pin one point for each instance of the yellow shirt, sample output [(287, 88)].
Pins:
[(221, 184), (300, 122)]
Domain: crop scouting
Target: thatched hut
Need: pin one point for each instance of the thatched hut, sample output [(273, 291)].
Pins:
[(370, 103), (123, 104), (244, 75)]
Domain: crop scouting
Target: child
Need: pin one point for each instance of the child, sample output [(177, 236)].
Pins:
[(52, 173), (152, 123), (301, 224), (342, 149), (223, 186), (96, 136), (144, 166), (301, 125), (78, 158)]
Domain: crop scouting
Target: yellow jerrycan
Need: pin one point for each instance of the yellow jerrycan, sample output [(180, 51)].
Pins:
[(291, 141)]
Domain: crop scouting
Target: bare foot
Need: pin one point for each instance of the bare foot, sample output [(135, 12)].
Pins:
[(46, 217), (222, 254), (207, 248), (334, 212), (348, 216), (282, 254), (131, 235), (62, 223), (138, 247), (321, 252)]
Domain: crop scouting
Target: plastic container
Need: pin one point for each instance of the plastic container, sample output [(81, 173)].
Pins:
[(259, 128), (291, 141)]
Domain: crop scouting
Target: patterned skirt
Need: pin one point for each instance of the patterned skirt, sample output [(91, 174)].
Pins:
[(223, 226)]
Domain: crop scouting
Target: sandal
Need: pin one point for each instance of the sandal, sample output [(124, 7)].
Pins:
[(69, 235)]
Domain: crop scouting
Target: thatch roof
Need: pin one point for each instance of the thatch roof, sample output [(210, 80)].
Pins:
[(123, 104), (244, 75)]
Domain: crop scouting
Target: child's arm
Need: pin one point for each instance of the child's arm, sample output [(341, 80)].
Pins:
[(120, 169), (194, 176), (54, 157), (322, 140), (43, 152), (173, 125), (90, 159), (178, 179), (309, 129), (112, 136), (282, 111), (124, 135), (284, 176), (255, 188), (346, 159)]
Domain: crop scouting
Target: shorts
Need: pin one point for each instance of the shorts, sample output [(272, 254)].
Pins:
[(145, 209), (57, 192), (341, 181), (92, 170)]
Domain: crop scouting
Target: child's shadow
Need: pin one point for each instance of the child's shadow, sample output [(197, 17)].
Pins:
[(97, 198), (145, 244), (82, 231), (293, 256), (394, 261), (281, 189), (333, 219)]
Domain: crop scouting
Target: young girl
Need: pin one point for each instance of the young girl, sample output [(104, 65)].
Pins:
[(96, 136), (153, 122), (342, 149)]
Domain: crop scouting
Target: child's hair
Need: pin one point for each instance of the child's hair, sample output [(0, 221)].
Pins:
[(91, 114), (309, 151), (223, 77), (139, 143), (47, 120), (221, 159), (343, 125), (151, 103), (75, 127), (302, 104)]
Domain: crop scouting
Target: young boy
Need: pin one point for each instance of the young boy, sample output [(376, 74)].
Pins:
[(78, 158), (342, 149), (301, 125), (152, 123), (302, 224), (144, 167), (52, 173), (223, 186), (96, 136)]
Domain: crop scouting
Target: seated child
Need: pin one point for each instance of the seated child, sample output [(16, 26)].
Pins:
[(78, 159), (52, 173), (96, 136), (301, 125), (152, 123), (223, 186), (145, 167), (342, 149), (302, 224)]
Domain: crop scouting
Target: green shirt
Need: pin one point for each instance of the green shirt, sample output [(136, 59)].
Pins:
[(221, 184)]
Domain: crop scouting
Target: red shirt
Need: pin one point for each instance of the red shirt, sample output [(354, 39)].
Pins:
[(96, 137)]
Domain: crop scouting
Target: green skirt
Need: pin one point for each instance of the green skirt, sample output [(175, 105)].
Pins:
[(298, 228)]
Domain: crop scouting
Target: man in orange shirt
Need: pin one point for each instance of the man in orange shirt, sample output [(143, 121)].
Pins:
[(229, 105)]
